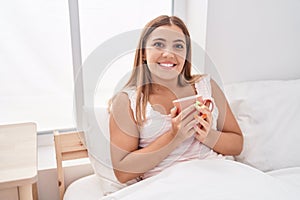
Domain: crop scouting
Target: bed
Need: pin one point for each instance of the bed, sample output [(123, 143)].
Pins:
[(268, 167), (257, 57)]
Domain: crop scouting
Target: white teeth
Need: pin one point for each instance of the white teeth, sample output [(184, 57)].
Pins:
[(166, 65)]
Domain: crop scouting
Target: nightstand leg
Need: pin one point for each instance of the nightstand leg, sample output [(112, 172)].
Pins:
[(25, 192)]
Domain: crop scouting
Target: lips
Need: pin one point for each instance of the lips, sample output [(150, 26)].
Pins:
[(167, 65)]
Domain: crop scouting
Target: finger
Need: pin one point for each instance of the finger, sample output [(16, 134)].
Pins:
[(186, 119), (204, 125), (197, 128), (173, 111), (190, 133), (206, 113), (201, 119), (191, 124), (200, 136), (202, 108), (189, 117), (182, 122), (188, 110)]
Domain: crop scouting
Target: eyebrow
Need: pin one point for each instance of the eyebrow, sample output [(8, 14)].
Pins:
[(161, 39), (179, 40)]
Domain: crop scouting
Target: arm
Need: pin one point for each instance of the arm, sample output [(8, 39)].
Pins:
[(230, 141), (228, 138), (128, 160)]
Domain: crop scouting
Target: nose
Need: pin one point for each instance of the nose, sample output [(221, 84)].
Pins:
[(167, 53)]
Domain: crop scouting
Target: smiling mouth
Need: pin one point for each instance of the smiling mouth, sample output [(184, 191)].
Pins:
[(167, 65)]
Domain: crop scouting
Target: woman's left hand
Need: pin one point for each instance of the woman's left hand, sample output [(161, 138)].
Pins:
[(205, 122)]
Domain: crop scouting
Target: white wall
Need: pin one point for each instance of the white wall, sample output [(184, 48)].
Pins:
[(194, 14), (196, 17), (254, 39)]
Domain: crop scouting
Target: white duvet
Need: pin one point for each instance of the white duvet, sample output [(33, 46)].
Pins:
[(209, 179)]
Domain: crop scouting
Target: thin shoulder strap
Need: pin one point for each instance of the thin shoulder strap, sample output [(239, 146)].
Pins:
[(203, 86), (132, 98)]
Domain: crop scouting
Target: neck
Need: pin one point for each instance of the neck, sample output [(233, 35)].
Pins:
[(163, 85)]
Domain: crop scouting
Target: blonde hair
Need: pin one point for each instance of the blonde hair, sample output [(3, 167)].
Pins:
[(141, 77)]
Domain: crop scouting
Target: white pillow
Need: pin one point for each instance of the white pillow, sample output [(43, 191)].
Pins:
[(96, 129), (268, 113)]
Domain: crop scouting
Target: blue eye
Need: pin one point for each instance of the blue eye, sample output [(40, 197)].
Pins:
[(158, 44), (179, 46)]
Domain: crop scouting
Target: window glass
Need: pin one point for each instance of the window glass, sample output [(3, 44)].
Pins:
[(36, 74)]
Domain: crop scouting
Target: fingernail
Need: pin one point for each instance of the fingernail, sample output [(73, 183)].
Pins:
[(204, 116), (203, 106), (198, 108)]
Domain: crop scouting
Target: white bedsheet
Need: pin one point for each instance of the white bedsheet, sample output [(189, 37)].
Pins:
[(288, 175), (211, 180)]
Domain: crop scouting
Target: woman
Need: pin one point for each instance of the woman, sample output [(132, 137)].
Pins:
[(147, 132)]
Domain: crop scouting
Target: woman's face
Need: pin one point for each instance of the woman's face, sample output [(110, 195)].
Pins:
[(166, 52)]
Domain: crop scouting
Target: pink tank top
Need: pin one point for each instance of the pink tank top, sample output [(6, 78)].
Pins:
[(157, 124)]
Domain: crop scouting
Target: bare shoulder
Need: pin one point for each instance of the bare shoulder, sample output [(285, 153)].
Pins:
[(120, 105), (219, 97), (120, 98), (216, 89), (214, 83), (121, 114)]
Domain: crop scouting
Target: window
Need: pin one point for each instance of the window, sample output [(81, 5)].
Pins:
[(36, 73)]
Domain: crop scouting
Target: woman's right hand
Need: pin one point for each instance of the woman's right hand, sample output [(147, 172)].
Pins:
[(184, 122)]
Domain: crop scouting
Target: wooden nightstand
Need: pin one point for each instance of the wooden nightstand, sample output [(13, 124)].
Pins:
[(18, 158)]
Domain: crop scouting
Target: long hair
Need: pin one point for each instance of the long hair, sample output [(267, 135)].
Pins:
[(141, 77)]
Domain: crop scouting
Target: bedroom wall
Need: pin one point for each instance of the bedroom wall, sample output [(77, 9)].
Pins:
[(254, 39), (196, 17)]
